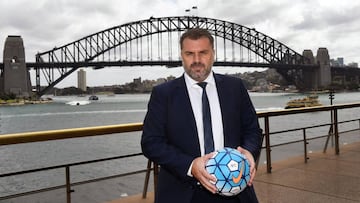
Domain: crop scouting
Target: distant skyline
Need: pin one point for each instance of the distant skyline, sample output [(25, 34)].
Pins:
[(122, 75), (299, 24)]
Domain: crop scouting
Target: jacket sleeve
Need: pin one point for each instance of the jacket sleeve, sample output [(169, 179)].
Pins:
[(252, 133), (155, 142)]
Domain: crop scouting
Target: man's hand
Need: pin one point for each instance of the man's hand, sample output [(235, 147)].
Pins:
[(251, 160), (199, 172)]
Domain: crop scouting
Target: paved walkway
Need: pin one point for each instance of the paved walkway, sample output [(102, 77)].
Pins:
[(326, 178)]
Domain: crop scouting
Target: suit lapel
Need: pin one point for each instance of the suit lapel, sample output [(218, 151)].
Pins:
[(182, 98), (226, 111)]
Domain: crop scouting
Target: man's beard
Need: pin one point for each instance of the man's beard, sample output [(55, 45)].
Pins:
[(198, 76)]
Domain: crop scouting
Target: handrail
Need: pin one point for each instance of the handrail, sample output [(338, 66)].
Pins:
[(27, 137), (17, 138)]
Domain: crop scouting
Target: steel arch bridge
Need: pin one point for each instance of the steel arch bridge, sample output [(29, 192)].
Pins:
[(155, 41)]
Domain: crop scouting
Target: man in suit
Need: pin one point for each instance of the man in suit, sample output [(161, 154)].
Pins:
[(174, 129)]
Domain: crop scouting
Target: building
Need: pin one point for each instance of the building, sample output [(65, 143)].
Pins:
[(337, 62), (82, 80), (353, 64)]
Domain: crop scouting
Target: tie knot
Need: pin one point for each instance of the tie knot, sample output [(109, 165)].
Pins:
[(202, 84)]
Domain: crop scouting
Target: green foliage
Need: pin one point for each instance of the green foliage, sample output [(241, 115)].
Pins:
[(6, 97)]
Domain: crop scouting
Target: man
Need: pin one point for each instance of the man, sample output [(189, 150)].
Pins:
[(174, 129)]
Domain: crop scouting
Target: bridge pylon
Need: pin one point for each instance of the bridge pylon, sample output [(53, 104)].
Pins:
[(15, 77), (310, 76), (324, 75), (319, 77)]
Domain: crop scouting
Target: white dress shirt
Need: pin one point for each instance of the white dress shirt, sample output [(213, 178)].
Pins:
[(195, 94)]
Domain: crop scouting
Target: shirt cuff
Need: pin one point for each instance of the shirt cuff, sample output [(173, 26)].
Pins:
[(189, 170)]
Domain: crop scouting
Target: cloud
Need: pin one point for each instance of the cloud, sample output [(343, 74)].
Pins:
[(300, 24)]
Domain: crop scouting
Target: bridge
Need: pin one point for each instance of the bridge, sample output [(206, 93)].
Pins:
[(155, 42)]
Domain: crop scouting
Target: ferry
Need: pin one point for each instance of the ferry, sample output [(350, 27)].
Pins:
[(308, 101)]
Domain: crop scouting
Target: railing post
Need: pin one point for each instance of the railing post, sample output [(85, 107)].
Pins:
[(68, 186), (156, 175), (331, 131), (147, 176), (267, 141), (336, 128), (305, 146)]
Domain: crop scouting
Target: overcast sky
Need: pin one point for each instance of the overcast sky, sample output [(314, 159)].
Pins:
[(299, 24)]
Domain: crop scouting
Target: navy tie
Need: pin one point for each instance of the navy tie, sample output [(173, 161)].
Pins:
[(208, 134)]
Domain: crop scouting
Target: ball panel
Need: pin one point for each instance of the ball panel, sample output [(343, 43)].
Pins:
[(211, 169), (219, 174)]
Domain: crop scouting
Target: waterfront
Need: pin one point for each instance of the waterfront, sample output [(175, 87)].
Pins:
[(106, 111), (118, 109)]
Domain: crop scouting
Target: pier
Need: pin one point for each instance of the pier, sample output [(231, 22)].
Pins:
[(315, 174), (326, 177)]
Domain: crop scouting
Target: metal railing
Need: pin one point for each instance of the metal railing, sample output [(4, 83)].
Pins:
[(27, 137), (334, 130)]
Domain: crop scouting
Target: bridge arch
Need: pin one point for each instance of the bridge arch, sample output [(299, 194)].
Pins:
[(123, 46)]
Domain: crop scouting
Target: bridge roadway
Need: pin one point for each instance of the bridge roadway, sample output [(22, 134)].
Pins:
[(102, 64)]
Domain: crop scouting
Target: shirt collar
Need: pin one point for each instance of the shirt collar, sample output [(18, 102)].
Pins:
[(191, 82)]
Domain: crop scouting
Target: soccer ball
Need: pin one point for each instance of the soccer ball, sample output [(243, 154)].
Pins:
[(231, 169)]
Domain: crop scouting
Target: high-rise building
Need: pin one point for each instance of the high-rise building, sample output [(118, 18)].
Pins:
[(340, 61), (82, 80)]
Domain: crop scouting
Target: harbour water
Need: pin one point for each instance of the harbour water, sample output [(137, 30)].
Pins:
[(108, 110)]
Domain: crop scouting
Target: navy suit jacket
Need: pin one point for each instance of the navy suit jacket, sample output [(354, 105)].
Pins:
[(170, 135)]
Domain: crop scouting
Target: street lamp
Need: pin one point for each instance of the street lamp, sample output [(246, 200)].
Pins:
[(194, 8), (331, 96)]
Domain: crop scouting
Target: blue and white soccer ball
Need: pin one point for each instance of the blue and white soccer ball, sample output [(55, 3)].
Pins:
[(231, 169)]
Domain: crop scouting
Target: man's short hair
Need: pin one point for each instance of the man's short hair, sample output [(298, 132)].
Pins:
[(196, 33)]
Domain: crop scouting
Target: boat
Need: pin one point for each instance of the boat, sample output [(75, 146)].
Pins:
[(78, 103), (93, 97), (308, 101)]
